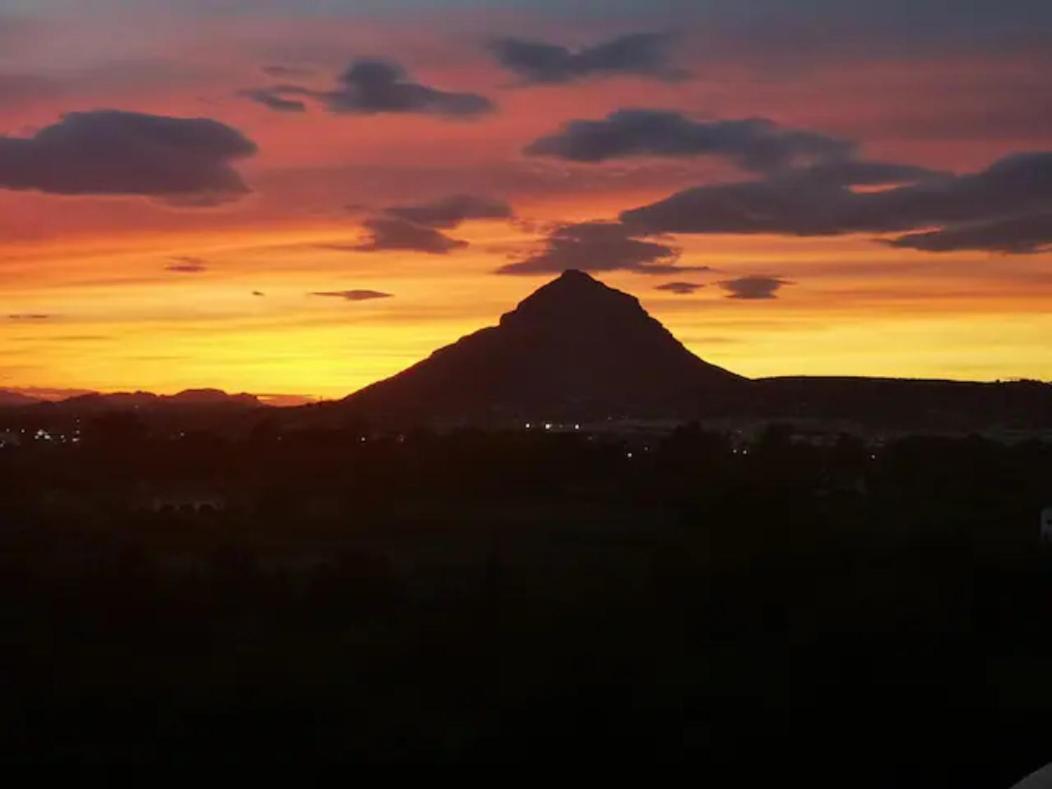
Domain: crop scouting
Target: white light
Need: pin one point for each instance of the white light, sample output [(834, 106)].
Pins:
[(547, 425)]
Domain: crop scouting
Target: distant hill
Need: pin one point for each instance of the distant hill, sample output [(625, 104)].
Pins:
[(575, 348), (123, 401), (9, 399), (194, 410), (578, 350), (94, 402), (916, 404)]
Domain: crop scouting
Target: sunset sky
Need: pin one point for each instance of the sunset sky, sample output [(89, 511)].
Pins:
[(302, 197)]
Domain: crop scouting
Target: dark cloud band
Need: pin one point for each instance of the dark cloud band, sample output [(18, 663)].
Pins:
[(599, 246), (187, 265), (680, 288), (753, 287), (394, 233), (128, 153), (1004, 207), (754, 143), (535, 62), (370, 87), (353, 295)]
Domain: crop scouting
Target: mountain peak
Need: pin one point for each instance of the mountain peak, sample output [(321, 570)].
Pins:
[(573, 279), (208, 396), (577, 298), (574, 347), (576, 275)]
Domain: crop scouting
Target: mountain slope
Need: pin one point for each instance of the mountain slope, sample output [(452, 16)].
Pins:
[(134, 401), (11, 399), (574, 348)]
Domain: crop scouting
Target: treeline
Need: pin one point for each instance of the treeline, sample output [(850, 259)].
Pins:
[(759, 609)]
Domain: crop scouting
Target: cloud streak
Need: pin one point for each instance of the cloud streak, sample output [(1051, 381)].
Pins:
[(276, 97), (541, 63), (187, 265), (1015, 235), (755, 144), (1003, 207), (353, 295), (753, 287), (680, 288), (372, 87), (599, 246), (398, 234)]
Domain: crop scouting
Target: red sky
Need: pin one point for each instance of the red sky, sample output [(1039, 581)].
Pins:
[(118, 272)]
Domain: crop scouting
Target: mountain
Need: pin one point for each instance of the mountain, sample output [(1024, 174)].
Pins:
[(134, 401), (193, 410), (902, 403), (9, 399), (211, 397), (575, 348)]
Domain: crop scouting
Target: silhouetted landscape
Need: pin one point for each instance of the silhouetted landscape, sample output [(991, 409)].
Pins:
[(565, 539), (579, 352), (529, 383)]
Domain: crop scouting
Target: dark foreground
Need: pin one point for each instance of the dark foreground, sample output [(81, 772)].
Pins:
[(845, 614)]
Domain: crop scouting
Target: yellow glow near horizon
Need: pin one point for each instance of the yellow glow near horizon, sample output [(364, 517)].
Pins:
[(120, 321), (95, 263)]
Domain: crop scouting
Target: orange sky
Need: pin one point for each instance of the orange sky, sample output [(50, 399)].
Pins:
[(88, 301)]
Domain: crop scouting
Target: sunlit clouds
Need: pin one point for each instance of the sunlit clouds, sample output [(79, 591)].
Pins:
[(293, 202)]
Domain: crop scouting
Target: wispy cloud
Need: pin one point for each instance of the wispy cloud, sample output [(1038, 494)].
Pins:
[(353, 295), (600, 246), (539, 62), (372, 87), (680, 288), (756, 286), (186, 264)]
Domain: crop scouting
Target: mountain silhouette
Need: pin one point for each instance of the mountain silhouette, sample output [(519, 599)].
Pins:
[(577, 350), (10, 399), (574, 348), (129, 401)]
